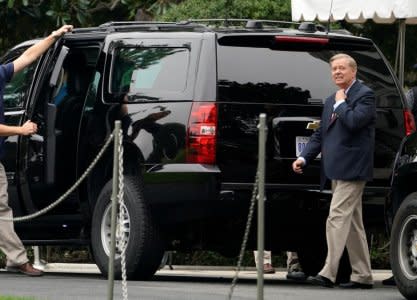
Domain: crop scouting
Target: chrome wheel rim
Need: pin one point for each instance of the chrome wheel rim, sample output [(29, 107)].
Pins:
[(407, 247), (122, 230)]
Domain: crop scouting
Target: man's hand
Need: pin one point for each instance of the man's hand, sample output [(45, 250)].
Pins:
[(28, 128), (297, 166), (32, 53), (61, 31), (340, 95)]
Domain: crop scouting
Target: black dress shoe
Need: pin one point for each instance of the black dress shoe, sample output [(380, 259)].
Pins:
[(320, 280), (296, 275), (355, 285)]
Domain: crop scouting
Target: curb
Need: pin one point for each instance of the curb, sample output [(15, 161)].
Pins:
[(187, 270)]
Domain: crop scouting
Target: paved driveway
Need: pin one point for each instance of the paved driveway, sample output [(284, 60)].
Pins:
[(63, 281)]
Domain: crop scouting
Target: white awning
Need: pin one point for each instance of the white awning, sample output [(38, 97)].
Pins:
[(355, 11)]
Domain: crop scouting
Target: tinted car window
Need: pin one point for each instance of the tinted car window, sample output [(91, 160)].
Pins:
[(295, 77), (92, 92), (15, 90), (144, 71)]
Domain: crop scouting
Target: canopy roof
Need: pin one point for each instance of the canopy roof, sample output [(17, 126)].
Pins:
[(355, 11)]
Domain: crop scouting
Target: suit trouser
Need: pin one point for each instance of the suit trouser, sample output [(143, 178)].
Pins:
[(293, 264), (344, 227), (10, 243), (292, 260)]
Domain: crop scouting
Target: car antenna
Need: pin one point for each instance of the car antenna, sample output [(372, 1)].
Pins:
[(330, 13)]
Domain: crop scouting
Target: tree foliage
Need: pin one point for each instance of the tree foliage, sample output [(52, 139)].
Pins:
[(152, 7), (261, 9), (23, 19)]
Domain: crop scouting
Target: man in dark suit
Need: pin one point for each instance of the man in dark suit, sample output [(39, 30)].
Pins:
[(345, 139)]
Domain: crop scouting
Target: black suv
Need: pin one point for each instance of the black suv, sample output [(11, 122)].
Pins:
[(189, 97), (402, 218)]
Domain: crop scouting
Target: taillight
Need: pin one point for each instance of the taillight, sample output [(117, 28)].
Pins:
[(301, 40), (409, 122), (201, 133)]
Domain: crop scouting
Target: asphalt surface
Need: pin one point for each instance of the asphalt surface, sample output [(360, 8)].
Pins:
[(72, 281)]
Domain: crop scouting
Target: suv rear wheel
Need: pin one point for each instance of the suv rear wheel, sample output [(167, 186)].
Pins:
[(144, 249), (403, 250)]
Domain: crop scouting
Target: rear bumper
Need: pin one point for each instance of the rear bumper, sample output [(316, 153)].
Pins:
[(181, 183)]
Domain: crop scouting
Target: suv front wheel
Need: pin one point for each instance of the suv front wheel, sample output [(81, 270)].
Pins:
[(144, 249), (403, 249)]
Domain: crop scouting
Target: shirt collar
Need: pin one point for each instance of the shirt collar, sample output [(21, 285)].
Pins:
[(347, 90)]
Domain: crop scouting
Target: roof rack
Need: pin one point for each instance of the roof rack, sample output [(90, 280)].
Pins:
[(313, 27), (249, 23), (143, 26), (203, 25), (130, 23)]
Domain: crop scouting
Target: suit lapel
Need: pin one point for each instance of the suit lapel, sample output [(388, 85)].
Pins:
[(351, 93), (328, 112), (353, 90)]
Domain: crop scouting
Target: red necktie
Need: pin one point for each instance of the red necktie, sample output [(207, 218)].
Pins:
[(333, 117)]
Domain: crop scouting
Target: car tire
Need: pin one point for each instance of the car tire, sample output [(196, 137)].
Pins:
[(403, 248), (144, 249)]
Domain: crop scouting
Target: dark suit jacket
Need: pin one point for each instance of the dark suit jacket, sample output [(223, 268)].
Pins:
[(347, 142)]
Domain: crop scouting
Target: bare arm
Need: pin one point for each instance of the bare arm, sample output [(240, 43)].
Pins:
[(32, 53), (26, 129)]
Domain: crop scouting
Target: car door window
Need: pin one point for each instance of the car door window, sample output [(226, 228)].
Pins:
[(16, 90)]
